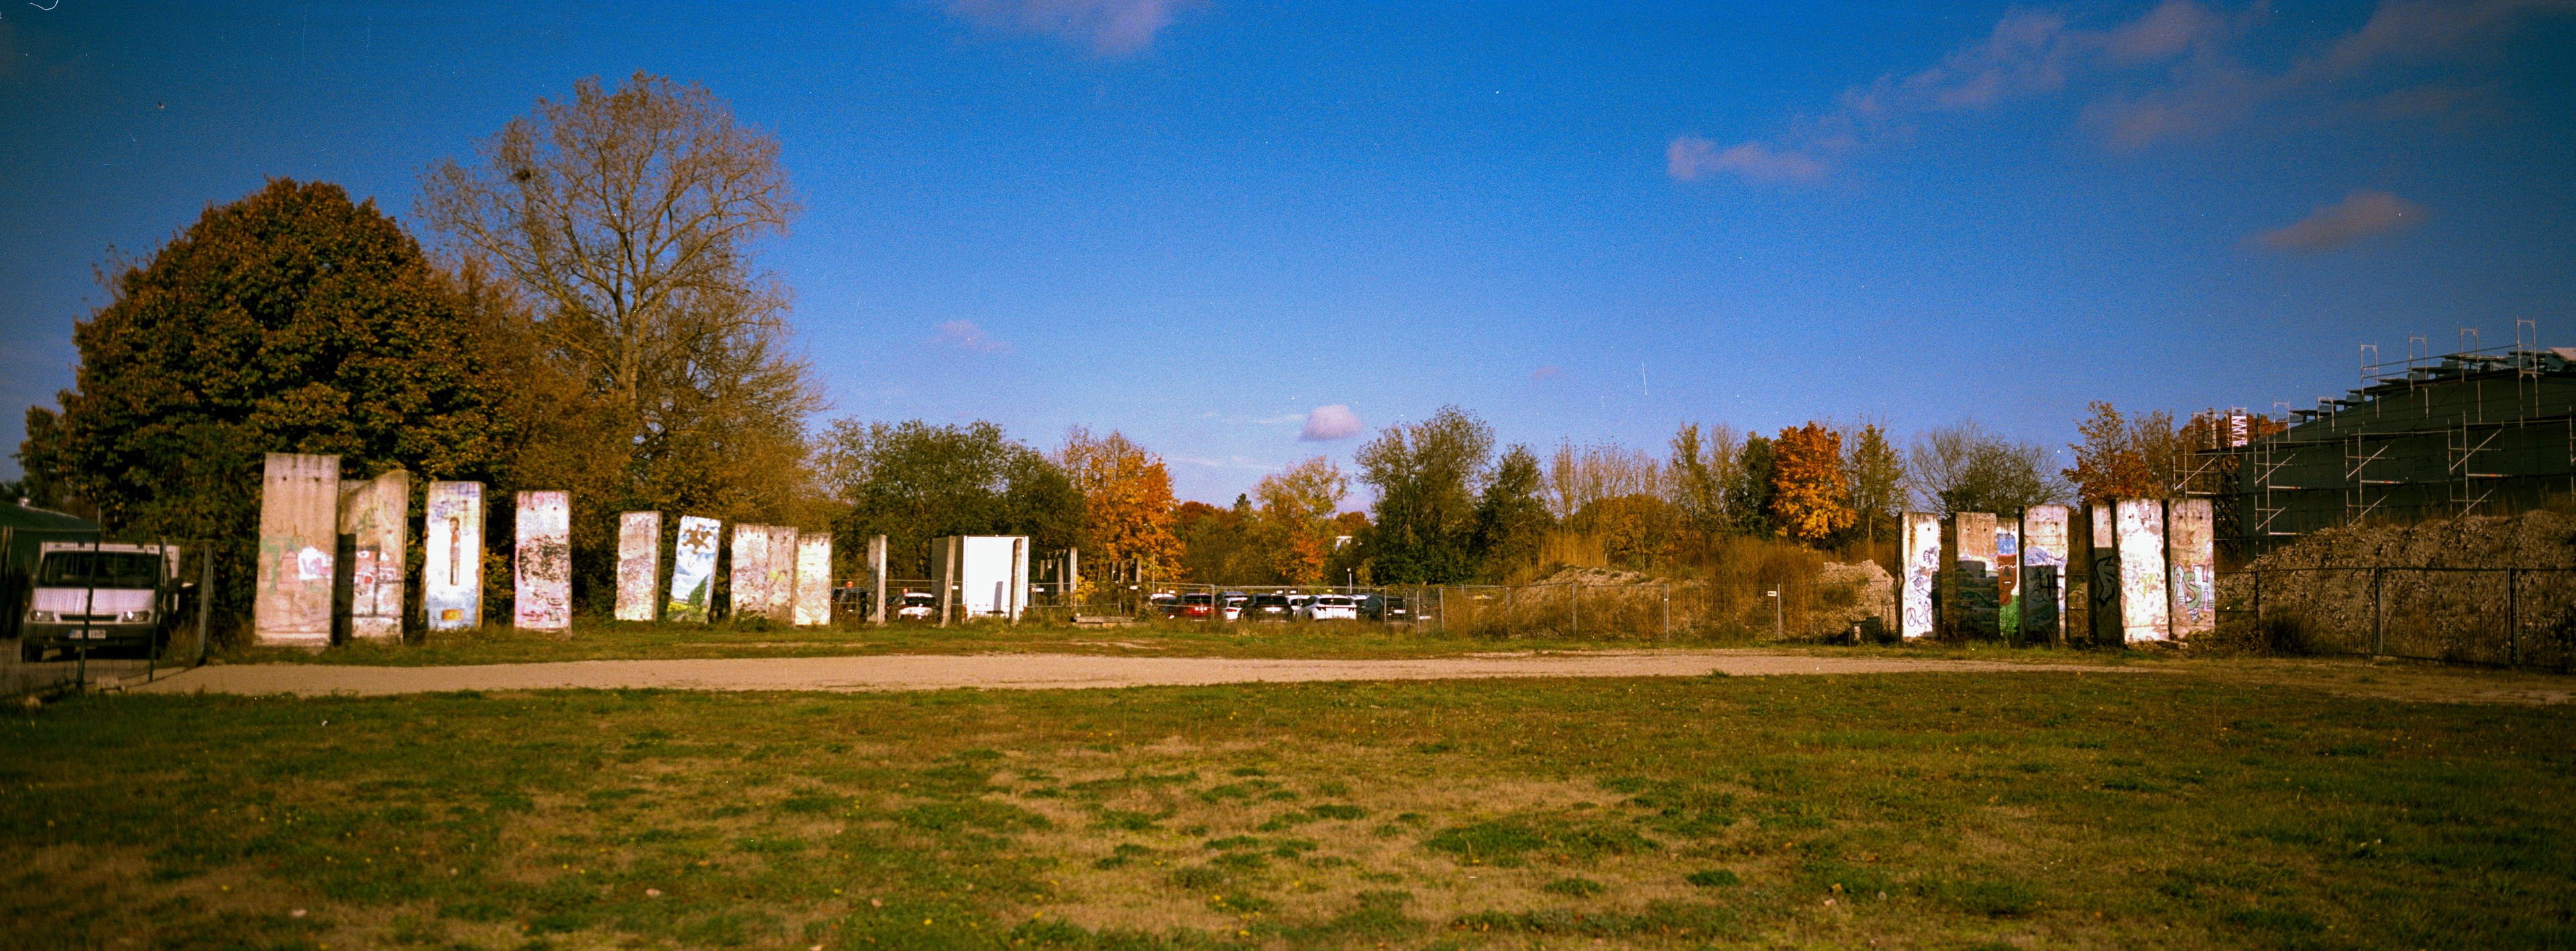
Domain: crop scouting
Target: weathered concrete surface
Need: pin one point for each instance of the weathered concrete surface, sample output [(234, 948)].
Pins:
[(2008, 575), (451, 576), (693, 569), (1967, 576), (1921, 562), (2100, 554), (2044, 544), (1037, 672), (782, 574), (374, 515), (2191, 558), (814, 580), (2140, 527), (299, 520), (542, 583), (876, 579), (749, 596), (639, 565)]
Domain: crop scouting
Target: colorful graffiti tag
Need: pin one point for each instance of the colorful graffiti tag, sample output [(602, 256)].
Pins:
[(451, 575), (542, 584), (1921, 539), (693, 569)]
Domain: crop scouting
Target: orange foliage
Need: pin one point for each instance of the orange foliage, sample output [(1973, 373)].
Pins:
[(1809, 499)]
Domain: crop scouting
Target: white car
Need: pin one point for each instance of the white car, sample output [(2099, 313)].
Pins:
[(1331, 607), (917, 606)]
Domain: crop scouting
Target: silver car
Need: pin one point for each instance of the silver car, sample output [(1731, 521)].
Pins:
[(1330, 607)]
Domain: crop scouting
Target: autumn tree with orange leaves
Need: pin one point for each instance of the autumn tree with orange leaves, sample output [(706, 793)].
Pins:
[(2126, 456), (1810, 501), (1128, 503), (1297, 517)]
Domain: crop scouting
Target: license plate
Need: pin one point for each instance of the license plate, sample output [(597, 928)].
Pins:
[(87, 634)]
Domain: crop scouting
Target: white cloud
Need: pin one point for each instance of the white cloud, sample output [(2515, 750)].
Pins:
[(1230, 462), (2359, 215), (1107, 27), (2177, 67), (1689, 158), (1328, 423), (964, 335), (2413, 29)]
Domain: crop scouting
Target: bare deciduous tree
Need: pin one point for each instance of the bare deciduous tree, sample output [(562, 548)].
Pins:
[(627, 219), (1964, 468)]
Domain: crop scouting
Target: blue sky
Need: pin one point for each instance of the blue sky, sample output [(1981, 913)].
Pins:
[(1201, 222)]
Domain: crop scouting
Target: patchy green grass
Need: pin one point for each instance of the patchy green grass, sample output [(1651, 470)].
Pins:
[(1923, 810), (593, 639)]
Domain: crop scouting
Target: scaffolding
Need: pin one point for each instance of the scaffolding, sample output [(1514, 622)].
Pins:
[(2475, 431)]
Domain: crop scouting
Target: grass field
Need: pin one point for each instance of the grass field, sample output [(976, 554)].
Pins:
[(1926, 810), (603, 640)]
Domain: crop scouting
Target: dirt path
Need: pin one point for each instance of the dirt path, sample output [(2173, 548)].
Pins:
[(1023, 672)]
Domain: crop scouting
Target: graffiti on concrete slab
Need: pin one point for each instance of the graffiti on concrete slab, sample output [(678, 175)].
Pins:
[(1921, 539), (750, 594), (542, 584), (2140, 527), (639, 564), (693, 569), (2191, 557), (813, 580), (299, 508), (373, 514), (451, 574)]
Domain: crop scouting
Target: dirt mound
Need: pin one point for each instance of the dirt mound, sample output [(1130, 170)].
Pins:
[(1861, 594), (1579, 575), (2539, 539), (2321, 594)]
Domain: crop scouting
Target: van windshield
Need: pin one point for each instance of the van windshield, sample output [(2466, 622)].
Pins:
[(96, 569)]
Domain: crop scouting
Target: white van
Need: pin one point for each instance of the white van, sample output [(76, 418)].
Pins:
[(102, 594)]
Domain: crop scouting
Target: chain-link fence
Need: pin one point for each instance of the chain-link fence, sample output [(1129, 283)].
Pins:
[(1695, 609), (2496, 616), (77, 609)]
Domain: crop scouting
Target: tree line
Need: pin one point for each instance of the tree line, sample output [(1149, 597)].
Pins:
[(587, 313)]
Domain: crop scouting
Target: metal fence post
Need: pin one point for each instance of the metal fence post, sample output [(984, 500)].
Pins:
[(2258, 597), (2378, 630), (1574, 594), (205, 595), (2512, 618), (1668, 610)]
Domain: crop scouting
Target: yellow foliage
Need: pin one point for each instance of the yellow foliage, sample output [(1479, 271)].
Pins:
[(1809, 499), (1127, 496)]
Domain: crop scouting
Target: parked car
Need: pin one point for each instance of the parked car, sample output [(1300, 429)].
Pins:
[(1234, 605), (1386, 609), (1331, 607), (1268, 607), (917, 606), (1188, 607)]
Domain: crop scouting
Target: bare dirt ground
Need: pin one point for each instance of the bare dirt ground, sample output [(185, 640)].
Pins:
[(1028, 672)]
